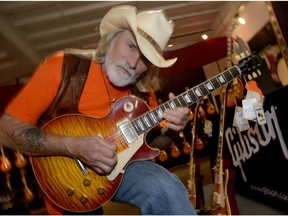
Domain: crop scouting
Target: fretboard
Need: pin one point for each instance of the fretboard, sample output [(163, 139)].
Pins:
[(218, 168), (149, 120)]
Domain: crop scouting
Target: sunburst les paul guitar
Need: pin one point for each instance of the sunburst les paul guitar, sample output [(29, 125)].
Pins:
[(194, 168), (220, 201), (220, 204), (72, 185)]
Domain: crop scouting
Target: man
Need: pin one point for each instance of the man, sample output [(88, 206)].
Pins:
[(130, 45)]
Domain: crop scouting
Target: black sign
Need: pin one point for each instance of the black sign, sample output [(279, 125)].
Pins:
[(260, 154)]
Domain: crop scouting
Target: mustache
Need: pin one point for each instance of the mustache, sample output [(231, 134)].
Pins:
[(126, 67)]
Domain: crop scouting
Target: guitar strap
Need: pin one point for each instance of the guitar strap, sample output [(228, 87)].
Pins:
[(74, 73)]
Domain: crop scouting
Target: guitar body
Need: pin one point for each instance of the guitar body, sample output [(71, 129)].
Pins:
[(186, 148), (220, 202), (175, 152), (61, 178), (234, 94)]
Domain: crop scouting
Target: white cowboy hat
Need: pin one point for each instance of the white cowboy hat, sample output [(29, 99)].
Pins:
[(151, 28)]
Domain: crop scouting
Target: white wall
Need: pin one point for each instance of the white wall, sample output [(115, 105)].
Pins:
[(256, 15)]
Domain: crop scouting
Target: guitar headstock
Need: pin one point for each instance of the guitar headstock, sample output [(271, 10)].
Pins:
[(250, 66)]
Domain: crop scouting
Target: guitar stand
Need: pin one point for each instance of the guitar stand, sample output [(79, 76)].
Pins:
[(203, 208)]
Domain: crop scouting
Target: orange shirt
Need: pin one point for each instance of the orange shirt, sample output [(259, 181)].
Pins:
[(37, 95)]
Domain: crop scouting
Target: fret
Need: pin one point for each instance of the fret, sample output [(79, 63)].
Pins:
[(187, 98), (172, 104), (182, 100), (209, 86), (197, 92), (203, 89), (153, 117), (228, 76), (192, 96), (216, 83), (177, 102), (136, 127), (158, 117), (235, 72), (159, 112), (221, 79), (152, 122), (147, 121), (141, 125), (166, 105)]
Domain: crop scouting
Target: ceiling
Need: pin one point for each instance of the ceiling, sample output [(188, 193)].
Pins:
[(30, 31)]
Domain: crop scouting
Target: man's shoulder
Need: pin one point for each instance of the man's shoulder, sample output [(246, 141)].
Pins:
[(56, 56), (88, 54), (54, 61)]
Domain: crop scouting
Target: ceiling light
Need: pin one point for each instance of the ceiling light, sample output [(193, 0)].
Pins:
[(170, 44), (204, 36), (241, 20)]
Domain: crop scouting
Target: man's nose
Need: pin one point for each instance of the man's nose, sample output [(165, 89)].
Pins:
[(133, 60)]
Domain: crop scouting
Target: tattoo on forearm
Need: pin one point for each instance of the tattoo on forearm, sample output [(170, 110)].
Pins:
[(34, 138)]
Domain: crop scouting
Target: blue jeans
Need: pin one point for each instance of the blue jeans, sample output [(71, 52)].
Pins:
[(154, 190)]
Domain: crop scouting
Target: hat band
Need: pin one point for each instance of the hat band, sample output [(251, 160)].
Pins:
[(150, 39)]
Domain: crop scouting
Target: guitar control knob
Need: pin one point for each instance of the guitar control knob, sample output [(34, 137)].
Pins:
[(70, 191), (101, 190), (86, 182), (84, 198)]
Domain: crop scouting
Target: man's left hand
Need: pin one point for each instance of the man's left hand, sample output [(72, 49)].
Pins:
[(176, 118)]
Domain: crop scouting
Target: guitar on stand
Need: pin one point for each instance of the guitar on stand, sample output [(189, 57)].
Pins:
[(186, 146), (191, 183), (220, 200), (194, 183), (5, 164)]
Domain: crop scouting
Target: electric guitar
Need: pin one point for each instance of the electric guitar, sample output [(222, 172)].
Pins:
[(72, 185), (194, 168), (220, 201), (220, 204)]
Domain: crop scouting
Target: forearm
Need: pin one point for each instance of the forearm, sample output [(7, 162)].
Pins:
[(29, 139)]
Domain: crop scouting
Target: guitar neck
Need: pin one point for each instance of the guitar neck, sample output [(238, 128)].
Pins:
[(278, 32), (191, 184), (153, 118), (219, 168), (229, 43)]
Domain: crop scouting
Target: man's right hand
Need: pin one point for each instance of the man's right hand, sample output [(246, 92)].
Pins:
[(96, 153)]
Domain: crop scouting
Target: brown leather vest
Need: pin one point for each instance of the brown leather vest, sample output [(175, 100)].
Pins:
[(74, 74)]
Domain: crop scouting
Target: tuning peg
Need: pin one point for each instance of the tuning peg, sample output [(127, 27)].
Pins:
[(254, 74)]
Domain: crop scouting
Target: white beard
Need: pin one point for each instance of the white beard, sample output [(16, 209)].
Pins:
[(119, 74)]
